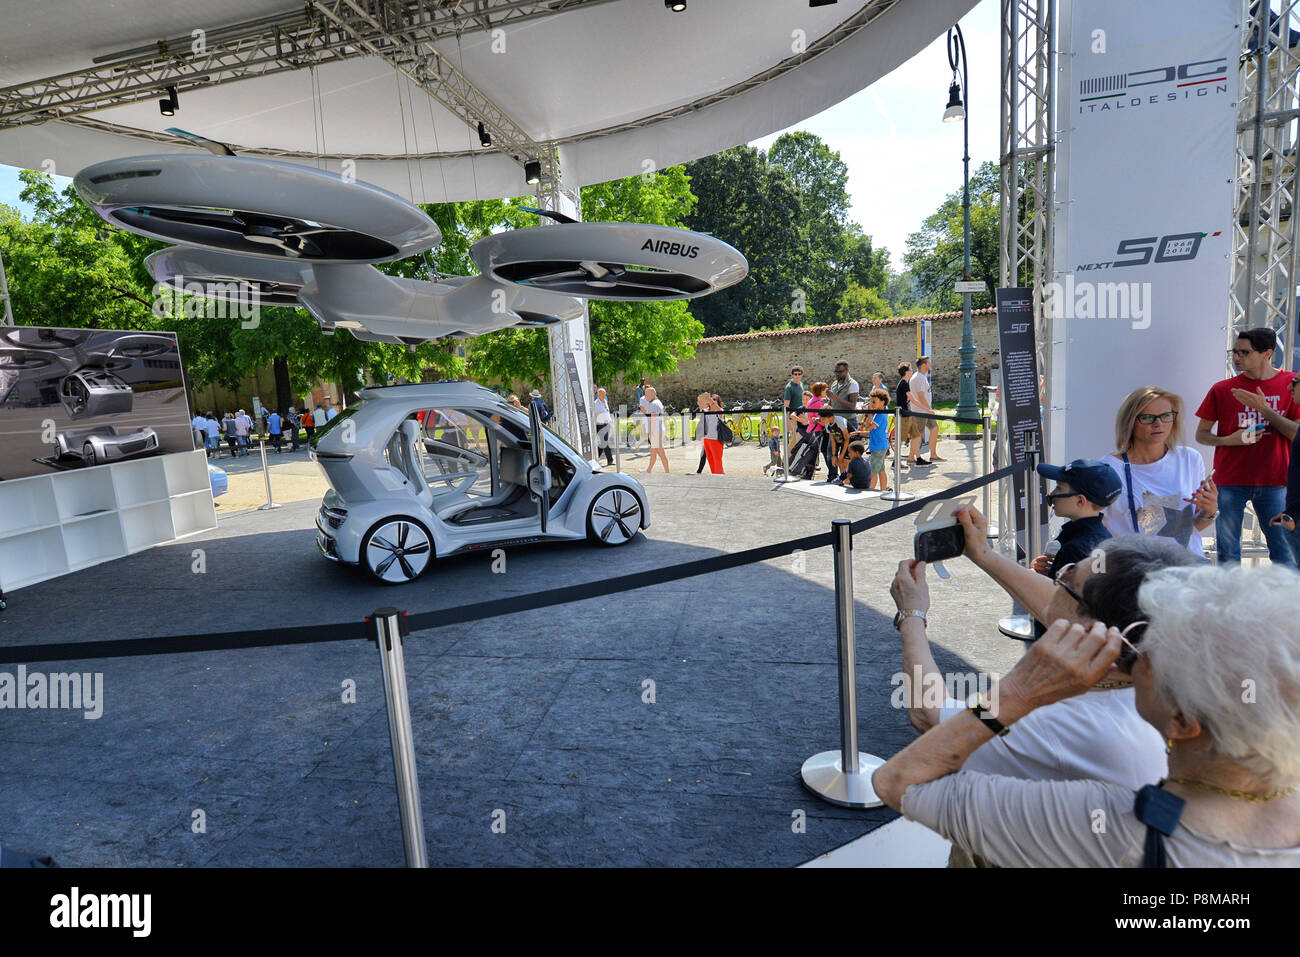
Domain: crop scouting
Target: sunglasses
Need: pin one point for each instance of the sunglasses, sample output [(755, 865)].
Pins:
[(1151, 418), (1055, 495), (1128, 655)]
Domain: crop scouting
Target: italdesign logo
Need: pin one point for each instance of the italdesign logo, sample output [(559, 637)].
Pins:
[(1119, 91)]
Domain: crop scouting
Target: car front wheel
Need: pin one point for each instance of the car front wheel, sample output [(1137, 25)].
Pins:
[(88, 454), (614, 517), (397, 550)]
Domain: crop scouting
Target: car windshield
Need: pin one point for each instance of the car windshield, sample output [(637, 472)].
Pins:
[(552, 440)]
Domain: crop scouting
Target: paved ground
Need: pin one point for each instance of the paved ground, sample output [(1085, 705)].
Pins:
[(535, 719)]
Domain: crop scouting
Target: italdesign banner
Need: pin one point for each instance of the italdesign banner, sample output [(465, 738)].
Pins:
[(1147, 107)]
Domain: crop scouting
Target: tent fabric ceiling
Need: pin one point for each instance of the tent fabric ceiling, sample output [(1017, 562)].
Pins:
[(565, 77)]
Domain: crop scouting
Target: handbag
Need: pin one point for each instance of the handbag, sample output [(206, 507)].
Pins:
[(725, 435)]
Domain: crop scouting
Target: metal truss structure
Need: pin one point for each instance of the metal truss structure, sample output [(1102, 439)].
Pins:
[(403, 32), (1264, 240), (1028, 187)]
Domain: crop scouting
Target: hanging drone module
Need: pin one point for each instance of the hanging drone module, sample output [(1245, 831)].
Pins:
[(228, 277), (256, 207), (76, 397), (628, 261), (265, 233), (377, 307)]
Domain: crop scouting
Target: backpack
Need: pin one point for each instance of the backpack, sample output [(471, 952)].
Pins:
[(804, 464)]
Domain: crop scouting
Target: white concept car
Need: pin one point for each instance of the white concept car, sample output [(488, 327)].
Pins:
[(106, 443), (419, 472)]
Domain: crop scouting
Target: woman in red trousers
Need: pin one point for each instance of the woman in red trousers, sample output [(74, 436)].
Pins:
[(712, 447)]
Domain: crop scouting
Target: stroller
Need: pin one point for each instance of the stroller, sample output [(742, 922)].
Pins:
[(805, 455)]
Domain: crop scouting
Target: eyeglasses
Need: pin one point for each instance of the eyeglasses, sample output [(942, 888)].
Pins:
[(1151, 418), (1128, 655), (1241, 353), (1083, 605)]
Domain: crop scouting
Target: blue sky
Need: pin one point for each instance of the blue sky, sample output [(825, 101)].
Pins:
[(902, 159)]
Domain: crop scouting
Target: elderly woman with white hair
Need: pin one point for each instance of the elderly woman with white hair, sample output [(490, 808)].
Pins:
[(1218, 676)]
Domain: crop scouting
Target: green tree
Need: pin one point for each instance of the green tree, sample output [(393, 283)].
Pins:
[(859, 302), (751, 205), (627, 338), (934, 254)]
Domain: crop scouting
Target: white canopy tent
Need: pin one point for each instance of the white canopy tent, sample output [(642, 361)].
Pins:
[(615, 83), (401, 93)]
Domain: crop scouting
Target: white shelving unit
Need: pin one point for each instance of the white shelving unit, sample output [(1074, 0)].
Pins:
[(54, 524)]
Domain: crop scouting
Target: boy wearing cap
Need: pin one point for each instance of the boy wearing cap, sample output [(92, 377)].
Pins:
[(1083, 490)]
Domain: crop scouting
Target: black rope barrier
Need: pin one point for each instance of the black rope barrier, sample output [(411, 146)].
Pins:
[(856, 413), (459, 614)]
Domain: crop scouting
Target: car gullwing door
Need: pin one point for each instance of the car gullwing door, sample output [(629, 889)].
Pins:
[(539, 476)]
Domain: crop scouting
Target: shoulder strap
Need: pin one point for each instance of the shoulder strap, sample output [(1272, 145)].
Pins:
[(1159, 811), (1132, 508)]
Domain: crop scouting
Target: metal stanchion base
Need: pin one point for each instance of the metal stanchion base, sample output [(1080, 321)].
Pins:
[(823, 775), (1020, 627), (994, 532), (263, 508), (895, 495)]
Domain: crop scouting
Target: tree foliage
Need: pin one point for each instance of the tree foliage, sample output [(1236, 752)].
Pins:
[(787, 211), (934, 254), (627, 338)]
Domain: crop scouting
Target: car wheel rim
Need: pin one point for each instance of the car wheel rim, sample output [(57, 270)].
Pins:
[(616, 516), (398, 551)]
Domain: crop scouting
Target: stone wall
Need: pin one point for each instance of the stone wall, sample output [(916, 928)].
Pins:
[(756, 366)]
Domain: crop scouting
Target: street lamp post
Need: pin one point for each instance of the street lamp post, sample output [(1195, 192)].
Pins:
[(959, 109)]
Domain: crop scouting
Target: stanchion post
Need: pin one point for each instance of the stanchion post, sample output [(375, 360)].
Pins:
[(387, 634), (896, 493), (617, 437), (987, 492), (266, 474), (843, 777), (1033, 504)]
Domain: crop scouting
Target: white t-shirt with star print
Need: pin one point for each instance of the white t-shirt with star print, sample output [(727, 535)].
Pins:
[(1158, 491)]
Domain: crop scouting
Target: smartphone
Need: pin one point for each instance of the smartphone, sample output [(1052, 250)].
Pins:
[(939, 544)]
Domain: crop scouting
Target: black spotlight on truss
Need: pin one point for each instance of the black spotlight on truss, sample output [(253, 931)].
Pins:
[(822, 3), (533, 172), (169, 105), (676, 6), (484, 137)]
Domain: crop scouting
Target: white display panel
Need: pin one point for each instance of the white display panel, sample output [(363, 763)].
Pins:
[(1145, 169)]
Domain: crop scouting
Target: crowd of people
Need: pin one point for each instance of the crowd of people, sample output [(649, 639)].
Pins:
[(238, 429), (1161, 695)]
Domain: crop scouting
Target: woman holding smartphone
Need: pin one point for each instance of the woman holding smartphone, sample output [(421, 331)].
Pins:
[(1165, 489)]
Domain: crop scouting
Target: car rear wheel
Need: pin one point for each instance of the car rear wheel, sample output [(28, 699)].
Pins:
[(614, 517), (396, 551), (88, 454)]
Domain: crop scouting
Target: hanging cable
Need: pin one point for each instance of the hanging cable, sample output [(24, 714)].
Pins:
[(406, 149)]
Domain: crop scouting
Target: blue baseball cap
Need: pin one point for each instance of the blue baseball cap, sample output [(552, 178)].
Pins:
[(1095, 481)]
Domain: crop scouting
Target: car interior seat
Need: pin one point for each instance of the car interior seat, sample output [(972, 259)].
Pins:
[(411, 459)]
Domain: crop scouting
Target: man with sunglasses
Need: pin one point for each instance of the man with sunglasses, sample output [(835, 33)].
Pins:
[(1098, 735), (1254, 418)]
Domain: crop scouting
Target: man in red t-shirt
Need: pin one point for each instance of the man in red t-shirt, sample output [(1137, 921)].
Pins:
[(1254, 418)]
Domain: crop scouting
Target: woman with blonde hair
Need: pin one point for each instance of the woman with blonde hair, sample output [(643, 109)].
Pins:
[(1165, 490)]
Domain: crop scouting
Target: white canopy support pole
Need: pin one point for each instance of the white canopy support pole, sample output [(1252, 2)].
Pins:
[(574, 335)]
